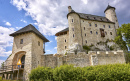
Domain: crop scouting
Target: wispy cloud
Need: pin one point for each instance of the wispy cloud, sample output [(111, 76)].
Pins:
[(8, 23), (55, 48), (23, 21), (5, 40)]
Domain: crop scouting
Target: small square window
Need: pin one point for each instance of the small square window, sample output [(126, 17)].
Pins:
[(73, 35), (96, 32), (65, 47), (21, 41), (109, 26), (90, 24), (104, 26), (85, 34), (110, 33), (65, 40), (38, 43), (106, 33), (86, 41), (73, 29), (91, 32), (95, 25)]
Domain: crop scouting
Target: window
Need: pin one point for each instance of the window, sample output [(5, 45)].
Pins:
[(21, 41), (96, 32), (73, 29), (84, 28), (94, 18), (90, 24), (104, 26), (95, 25), (86, 41), (65, 40), (73, 35), (72, 20), (83, 20), (109, 26), (91, 32), (85, 34), (102, 32), (65, 47), (38, 43), (101, 19), (105, 33), (110, 33)]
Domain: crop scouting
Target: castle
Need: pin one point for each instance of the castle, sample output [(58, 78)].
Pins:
[(84, 29)]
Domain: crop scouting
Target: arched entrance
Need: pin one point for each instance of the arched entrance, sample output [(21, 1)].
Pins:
[(23, 61)]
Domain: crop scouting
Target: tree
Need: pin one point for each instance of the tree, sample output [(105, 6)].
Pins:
[(123, 36), (123, 39)]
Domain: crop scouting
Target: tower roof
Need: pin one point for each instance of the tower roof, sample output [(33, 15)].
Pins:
[(30, 28), (108, 7), (62, 31)]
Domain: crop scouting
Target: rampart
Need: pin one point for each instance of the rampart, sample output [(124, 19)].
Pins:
[(82, 59)]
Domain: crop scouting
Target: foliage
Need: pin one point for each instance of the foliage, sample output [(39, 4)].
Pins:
[(41, 74), (111, 72), (123, 32), (111, 48), (2, 64), (86, 47)]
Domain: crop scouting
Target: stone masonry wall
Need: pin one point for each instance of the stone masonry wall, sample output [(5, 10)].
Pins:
[(61, 43), (82, 59)]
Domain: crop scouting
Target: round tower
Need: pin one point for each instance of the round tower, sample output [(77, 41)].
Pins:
[(111, 15), (75, 38)]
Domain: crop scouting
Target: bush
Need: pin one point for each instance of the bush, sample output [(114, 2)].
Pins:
[(41, 74), (115, 72)]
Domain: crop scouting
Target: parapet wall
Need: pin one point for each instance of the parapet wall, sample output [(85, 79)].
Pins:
[(82, 59), (107, 57)]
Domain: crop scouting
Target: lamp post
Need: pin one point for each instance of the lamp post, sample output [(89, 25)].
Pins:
[(18, 63)]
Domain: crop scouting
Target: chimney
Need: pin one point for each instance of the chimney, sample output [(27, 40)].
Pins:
[(69, 9)]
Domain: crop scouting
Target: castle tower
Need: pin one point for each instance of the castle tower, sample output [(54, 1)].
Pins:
[(75, 36), (27, 47), (111, 15)]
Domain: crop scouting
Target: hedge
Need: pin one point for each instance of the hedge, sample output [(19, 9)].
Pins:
[(111, 72)]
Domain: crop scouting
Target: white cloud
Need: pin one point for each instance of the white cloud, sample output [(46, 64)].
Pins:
[(55, 48), (5, 40), (50, 15), (85, 1), (8, 24), (55, 38), (18, 28), (23, 21)]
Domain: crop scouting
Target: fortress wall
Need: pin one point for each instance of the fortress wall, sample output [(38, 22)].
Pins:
[(80, 59), (111, 57), (49, 60)]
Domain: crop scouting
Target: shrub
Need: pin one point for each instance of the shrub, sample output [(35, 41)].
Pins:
[(41, 74), (111, 72)]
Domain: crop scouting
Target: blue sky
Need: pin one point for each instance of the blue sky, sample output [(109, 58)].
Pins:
[(49, 17)]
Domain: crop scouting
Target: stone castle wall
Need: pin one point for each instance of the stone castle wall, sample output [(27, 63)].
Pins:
[(82, 59), (62, 41)]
